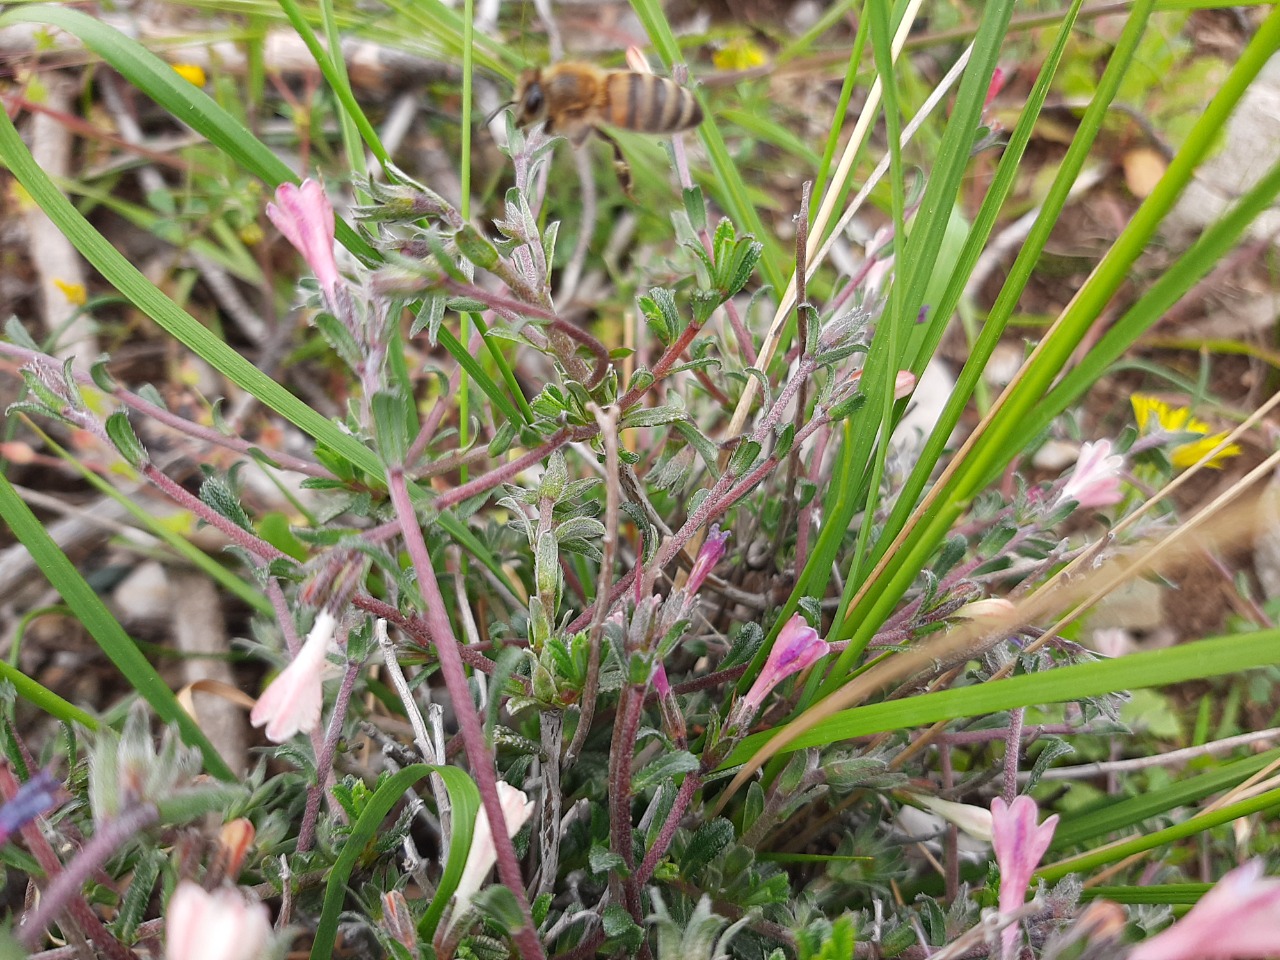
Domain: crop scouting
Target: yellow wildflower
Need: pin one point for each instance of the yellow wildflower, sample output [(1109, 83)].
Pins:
[(74, 292), (193, 73), (1153, 414), (738, 54)]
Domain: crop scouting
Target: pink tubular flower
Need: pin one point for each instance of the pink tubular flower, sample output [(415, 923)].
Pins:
[(660, 682), (798, 647), (516, 810), (998, 80), (222, 925), (1239, 917), (1095, 482), (291, 702), (713, 549), (1019, 844), (305, 217)]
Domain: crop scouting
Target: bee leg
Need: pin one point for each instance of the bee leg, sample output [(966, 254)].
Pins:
[(620, 165)]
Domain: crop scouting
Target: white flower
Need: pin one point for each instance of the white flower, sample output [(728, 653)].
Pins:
[(291, 702), (516, 810), (222, 925)]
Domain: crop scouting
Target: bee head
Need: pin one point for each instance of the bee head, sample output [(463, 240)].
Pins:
[(530, 101)]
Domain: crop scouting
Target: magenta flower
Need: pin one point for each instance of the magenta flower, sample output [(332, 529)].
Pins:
[(660, 682), (1019, 844), (517, 808), (1239, 917), (798, 647), (222, 925), (305, 217), (713, 549), (998, 80), (291, 703), (1095, 482)]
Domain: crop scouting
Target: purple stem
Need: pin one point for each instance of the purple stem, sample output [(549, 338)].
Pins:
[(455, 678), (498, 475), (662, 841), (324, 764), (1012, 751), (66, 886), (620, 757), (182, 425), (238, 535)]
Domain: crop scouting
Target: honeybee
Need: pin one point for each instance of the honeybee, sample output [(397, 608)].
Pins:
[(576, 98)]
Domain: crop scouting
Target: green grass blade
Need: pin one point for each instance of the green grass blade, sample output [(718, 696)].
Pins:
[(102, 626), (45, 699), (183, 100), (1112, 815), (918, 257), (727, 185), (1210, 247), (910, 558), (996, 446), (478, 374), (333, 69), (1160, 838), (466, 801), (1201, 659), (143, 294)]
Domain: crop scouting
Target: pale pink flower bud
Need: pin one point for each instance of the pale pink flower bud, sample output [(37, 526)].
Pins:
[(305, 217), (797, 648), (903, 384), (989, 611), (291, 703), (713, 550), (516, 810), (974, 821), (1239, 917), (222, 925), (1095, 482), (1020, 843)]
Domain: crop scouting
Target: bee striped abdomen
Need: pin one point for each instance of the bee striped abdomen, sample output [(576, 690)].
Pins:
[(649, 104)]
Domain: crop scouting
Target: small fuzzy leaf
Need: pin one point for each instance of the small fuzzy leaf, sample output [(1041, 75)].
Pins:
[(126, 442)]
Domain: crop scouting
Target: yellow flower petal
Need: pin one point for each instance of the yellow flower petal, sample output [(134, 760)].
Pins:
[(739, 54), (74, 292), (191, 72), (1144, 406), (1187, 454)]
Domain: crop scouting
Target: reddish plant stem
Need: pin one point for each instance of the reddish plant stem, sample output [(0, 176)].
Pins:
[(324, 762), (1012, 752), (77, 908), (182, 425), (455, 678), (620, 757), (499, 475), (597, 349), (421, 634), (608, 421), (664, 364), (238, 535), (662, 841), (64, 889), (615, 592)]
